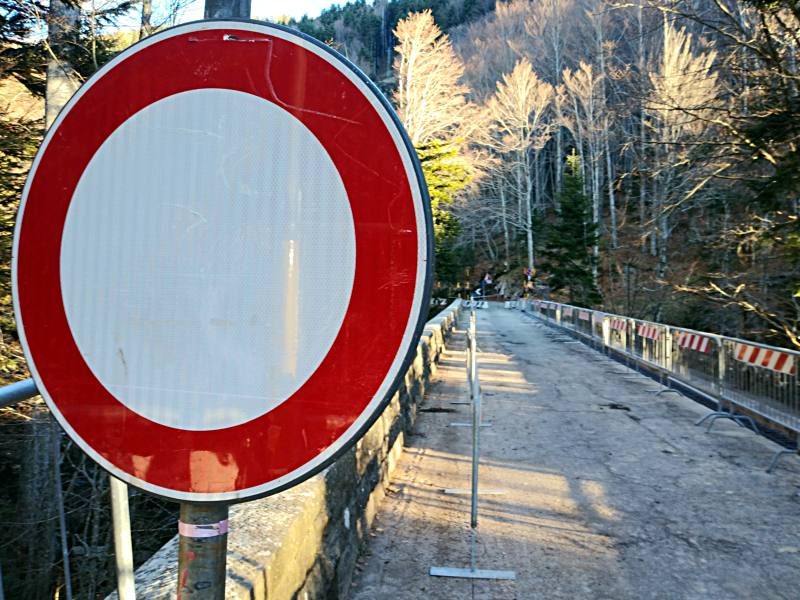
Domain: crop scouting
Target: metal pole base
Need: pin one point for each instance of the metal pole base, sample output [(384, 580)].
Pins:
[(778, 456), (472, 573), (729, 415), (667, 391), (202, 551), (463, 492)]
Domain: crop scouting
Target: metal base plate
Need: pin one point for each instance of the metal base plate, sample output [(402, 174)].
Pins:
[(472, 573), (459, 491)]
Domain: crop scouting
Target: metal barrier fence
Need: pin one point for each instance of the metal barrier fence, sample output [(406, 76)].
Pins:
[(474, 393), (735, 374)]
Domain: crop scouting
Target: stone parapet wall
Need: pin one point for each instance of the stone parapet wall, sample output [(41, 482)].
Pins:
[(303, 542)]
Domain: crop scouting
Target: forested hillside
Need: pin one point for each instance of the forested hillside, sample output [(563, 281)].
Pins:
[(683, 120)]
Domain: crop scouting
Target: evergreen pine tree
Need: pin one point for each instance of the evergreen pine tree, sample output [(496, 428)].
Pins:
[(569, 240), (446, 174)]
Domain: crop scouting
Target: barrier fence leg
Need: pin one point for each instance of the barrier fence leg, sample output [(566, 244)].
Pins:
[(476, 424), (774, 460), (472, 377), (123, 550), (467, 361), (202, 550)]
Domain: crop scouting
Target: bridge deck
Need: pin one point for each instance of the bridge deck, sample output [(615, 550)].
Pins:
[(610, 491)]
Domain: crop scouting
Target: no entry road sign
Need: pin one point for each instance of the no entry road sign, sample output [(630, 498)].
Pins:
[(222, 260)]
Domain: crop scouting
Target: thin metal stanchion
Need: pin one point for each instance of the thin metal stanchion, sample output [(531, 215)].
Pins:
[(476, 421), (475, 396), (202, 551), (467, 363), (472, 369), (123, 549)]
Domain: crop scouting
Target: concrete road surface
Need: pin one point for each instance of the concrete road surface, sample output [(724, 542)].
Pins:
[(594, 487)]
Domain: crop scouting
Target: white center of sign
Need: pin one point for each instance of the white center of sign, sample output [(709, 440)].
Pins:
[(207, 259)]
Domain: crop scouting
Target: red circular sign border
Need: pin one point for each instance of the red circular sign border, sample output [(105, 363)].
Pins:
[(322, 451)]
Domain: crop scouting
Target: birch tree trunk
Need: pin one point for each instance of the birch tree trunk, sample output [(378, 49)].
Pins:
[(37, 508), (595, 159), (146, 27), (537, 178), (642, 133), (528, 210), (612, 204), (37, 501), (62, 80), (557, 48), (504, 217), (656, 203), (223, 9)]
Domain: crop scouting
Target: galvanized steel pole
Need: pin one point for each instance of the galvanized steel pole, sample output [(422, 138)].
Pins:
[(224, 9), (202, 549)]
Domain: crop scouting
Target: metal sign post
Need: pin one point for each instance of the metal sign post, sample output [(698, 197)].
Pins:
[(202, 560), (202, 548), (474, 390)]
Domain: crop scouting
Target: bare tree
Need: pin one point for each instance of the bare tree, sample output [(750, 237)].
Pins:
[(517, 112), (430, 99), (682, 102)]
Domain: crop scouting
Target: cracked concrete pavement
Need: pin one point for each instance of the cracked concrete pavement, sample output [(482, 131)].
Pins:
[(594, 487)]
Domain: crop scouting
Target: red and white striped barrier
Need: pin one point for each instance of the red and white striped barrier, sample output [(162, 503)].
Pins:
[(619, 324), (584, 315), (651, 332), (567, 312), (694, 341), (775, 360)]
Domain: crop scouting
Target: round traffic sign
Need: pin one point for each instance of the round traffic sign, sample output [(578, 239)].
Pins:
[(222, 260)]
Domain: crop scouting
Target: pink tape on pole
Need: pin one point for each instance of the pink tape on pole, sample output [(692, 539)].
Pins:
[(206, 530)]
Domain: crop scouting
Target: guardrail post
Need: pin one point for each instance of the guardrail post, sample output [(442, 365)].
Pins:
[(606, 331), (668, 349), (628, 341)]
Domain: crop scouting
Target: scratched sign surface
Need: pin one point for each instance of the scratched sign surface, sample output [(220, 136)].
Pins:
[(222, 260)]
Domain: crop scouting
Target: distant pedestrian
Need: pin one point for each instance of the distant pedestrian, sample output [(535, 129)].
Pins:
[(485, 283), (527, 281)]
